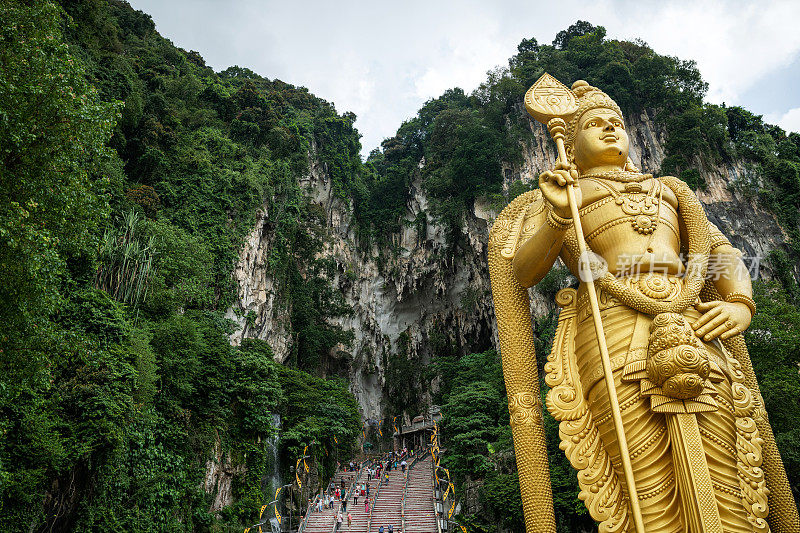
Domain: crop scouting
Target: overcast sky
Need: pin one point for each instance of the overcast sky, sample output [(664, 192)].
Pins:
[(383, 60)]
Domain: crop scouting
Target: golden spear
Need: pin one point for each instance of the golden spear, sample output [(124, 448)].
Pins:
[(548, 101)]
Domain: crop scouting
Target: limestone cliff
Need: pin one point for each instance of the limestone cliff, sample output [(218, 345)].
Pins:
[(422, 286)]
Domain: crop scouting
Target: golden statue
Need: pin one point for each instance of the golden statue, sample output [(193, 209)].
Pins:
[(649, 375)]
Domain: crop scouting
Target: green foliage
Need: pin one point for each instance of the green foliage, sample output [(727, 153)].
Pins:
[(462, 163), (694, 131), (118, 381), (314, 410), (473, 414), (126, 262), (312, 299), (501, 496), (254, 388), (774, 343), (146, 197), (182, 278), (53, 130), (459, 141), (775, 157), (404, 384), (783, 272), (579, 29)]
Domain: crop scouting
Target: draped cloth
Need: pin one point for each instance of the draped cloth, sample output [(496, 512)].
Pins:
[(646, 431)]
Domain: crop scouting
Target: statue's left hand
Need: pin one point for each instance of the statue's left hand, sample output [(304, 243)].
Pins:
[(721, 319)]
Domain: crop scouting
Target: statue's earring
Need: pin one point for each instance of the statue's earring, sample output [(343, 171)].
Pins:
[(570, 157), (630, 167)]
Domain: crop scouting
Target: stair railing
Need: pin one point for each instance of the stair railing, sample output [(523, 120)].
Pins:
[(311, 505), (434, 498), (403, 499), (307, 515)]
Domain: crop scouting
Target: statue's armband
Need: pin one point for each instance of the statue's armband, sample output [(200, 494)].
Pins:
[(717, 238)]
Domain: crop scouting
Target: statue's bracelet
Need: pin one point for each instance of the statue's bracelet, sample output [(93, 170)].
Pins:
[(739, 298), (557, 222)]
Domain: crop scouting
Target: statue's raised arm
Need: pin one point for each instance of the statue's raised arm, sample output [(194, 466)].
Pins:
[(649, 375)]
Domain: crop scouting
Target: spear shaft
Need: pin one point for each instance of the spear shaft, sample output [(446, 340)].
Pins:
[(557, 128)]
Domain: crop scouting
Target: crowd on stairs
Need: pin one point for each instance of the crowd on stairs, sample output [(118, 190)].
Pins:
[(392, 494), (388, 497)]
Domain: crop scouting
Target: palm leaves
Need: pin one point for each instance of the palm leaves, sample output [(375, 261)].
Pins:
[(126, 262)]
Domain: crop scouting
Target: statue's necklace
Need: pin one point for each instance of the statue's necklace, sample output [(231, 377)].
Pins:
[(694, 218), (622, 176), (644, 209)]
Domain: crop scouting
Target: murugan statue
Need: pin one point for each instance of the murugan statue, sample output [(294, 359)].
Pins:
[(649, 376)]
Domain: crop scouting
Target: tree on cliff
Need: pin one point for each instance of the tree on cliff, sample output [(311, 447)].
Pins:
[(55, 169)]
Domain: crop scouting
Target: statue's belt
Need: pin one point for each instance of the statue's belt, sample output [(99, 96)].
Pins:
[(657, 285), (632, 358)]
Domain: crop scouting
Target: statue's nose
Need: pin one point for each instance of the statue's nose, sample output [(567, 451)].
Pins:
[(609, 127)]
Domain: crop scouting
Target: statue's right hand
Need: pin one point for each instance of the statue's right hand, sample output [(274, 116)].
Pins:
[(553, 184)]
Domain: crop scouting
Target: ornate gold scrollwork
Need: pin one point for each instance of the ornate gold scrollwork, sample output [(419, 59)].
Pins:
[(525, 408)]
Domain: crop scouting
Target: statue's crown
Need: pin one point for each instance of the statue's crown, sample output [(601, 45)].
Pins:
[(548, 98)]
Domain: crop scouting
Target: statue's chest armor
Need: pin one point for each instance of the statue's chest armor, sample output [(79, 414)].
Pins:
[(625, 220)]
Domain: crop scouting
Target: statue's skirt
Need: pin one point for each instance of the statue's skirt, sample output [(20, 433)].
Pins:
[(627, 334)]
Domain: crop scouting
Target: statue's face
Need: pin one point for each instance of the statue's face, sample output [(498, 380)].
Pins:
[(601, 140)]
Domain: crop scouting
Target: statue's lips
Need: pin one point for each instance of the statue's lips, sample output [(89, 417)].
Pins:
[(612, 138)]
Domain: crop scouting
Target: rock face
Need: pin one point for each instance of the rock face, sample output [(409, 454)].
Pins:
[(219, 475), (424, 288)]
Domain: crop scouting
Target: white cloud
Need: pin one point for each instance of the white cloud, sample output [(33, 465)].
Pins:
[(382, 60), (463, 59), (789, 121), (735, 44)]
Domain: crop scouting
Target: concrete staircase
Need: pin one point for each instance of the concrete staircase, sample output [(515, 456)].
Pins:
[(323, 522), (419, 499), (387, 504), (356, 510)]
